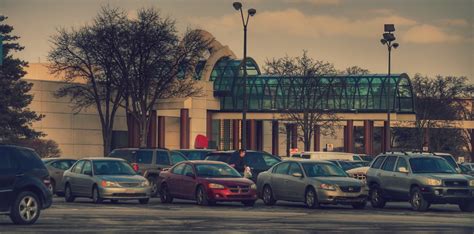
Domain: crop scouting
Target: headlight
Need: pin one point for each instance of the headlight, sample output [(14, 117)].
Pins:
[(145, 183), (471, 183), (330, 187), (216, 186), (106, 183), (433, 182), (253, 186)]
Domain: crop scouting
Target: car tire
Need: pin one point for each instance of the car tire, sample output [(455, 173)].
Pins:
[(165, 195), (249, 203), (359, 205), (26, 208), (154, 186), (52, 187), (96, 196), (417, 201), (201, 197), (68, 196), (311, 198), (144, 201), (267, 196), (467, 206), (376, 197)]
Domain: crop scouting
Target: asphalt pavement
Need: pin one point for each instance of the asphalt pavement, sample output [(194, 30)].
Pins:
[(284, 217)]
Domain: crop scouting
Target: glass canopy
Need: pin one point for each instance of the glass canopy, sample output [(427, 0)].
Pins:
[(341, 93)]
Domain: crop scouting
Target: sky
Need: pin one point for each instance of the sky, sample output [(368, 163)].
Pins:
[(435, 36)]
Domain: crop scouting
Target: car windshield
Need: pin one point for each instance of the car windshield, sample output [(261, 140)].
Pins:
[(430, 165), (450, 160), (323, 170), (112, 167), (260, 160), (216, 171)]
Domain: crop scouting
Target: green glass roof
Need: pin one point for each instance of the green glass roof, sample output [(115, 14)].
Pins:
[(342, 93)]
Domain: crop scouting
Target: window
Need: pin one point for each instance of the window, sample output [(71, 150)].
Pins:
[(378, 162), (112, 167), (144, 156), (176, 158), (431, 165), (162, 158), (294, 168), (78, 167), (389, 163), (281, 168), (188, 170), (401, 163), (128, 155), (6, 161), (260, 161), (87, 167), (29, 159), (178, 169), (63, 164)]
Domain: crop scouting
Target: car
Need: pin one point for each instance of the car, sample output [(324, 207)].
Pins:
[(419, 179), (367, 158), (56, 168), (105, 179), (207, 182), (195, 154), (312, 182), (24, 182), (324, 155), (466, 169), (469, 166), (347, 165), (258, 161), (149, 162)]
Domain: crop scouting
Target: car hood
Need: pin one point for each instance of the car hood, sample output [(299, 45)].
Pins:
[(358, 170), (442, 176), (122, 178), (229, 181), (341, 181)]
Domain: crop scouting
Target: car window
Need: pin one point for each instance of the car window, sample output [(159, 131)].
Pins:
[(378, 162), (306, 156), (282, 168), (220, 157), (450, 160), (29, 159), (87, 167), (6, 160), (144, 156), (128, 155), (314, 169), (112, 167), (401, 163), (177, 157), (78, 167), (162, 158), (294, 168), (62, 164), (188, 169), (356, 158), (431, 165), (389, 163), (260, 161), (178, 169), (194, 155), (216, 171)]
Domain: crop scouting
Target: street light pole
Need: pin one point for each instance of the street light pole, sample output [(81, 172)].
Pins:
[(251, 12)]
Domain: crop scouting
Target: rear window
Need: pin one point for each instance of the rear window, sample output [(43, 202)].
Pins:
[(30, 160), (378, 162), (162, 158)]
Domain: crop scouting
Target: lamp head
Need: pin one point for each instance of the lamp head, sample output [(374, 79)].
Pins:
[(252, 12), (237, 5), (395, 45), (383, 41), (389, 28), (389, 36)]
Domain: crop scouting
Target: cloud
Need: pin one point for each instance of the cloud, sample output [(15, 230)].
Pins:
[(454, 22), (316, 2), (429, 34)]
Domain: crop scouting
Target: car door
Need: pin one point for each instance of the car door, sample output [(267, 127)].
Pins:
[(295, 186), (279, 176), (188, 182), (8, 176), (401, 179), (173, 181), (87, 178), (73, 178), (386, 175)]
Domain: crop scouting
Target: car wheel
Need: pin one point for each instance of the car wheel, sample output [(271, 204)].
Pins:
[(418, 202), (52, 187), (165, 195), (359, 205), (311, 198), (96, 196), (144, 201), (376, 198), (467, 206), (154, 186), (26, 208), (267, 197), (248, 203), (68, 197), (201, 197)]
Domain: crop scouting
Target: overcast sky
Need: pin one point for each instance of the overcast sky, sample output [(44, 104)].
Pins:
[(435, 36)]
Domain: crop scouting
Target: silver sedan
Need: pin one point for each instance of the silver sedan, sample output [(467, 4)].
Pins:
[(311, 182), (105, 178)]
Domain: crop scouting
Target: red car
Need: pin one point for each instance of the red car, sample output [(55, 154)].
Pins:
[(207, 182)]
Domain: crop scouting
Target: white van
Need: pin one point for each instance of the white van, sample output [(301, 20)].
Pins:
[(321, 155)]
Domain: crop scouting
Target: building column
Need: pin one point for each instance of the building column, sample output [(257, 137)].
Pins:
[(209, 127), (386, 136), (294, 136), (317, 138), (152, 131), (184, 129), (369, 137), (133, 131), (349, 137), (252, 134), (275, 135), (259, 138), (235, 134), (161, 131)]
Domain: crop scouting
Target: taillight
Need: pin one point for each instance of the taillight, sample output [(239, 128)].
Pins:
[(46, 181), (135, 167)]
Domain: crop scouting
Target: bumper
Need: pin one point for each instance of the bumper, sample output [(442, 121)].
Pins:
[(339, 197), (443, 195), (47, 199), (225, 195), (125, 193)]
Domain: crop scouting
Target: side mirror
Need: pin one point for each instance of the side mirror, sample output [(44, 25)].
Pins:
[(189, 174), (403, 169), (89, 173), (296, 174)]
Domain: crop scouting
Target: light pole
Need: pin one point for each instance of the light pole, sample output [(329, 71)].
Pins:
[(245, 22), (388, 40)]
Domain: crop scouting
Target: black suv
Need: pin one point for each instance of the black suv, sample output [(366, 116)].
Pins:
[(24, 182), (258, 161), (149, 162)]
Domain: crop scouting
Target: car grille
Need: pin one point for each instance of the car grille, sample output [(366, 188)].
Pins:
[(455, 183), (239, 196), (129, 185), (239, 188), (457, 192), (359, 176), (350, 189), (129, 194)]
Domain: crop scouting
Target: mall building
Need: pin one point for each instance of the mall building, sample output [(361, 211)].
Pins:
[(360, 102)]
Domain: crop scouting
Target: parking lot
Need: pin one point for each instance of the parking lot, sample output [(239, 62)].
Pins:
[(83, 216)]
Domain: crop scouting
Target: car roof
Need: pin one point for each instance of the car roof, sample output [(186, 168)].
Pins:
[(102, 159), (15, 147), (210, 150), (204, 162)]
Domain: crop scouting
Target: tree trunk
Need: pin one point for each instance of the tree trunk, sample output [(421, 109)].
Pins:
[(143, 130)]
